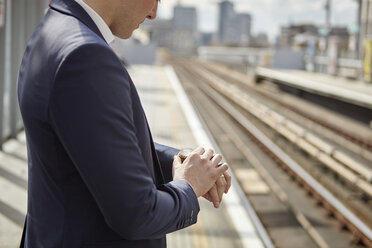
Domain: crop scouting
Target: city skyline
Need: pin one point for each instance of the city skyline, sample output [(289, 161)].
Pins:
[(269, 15)]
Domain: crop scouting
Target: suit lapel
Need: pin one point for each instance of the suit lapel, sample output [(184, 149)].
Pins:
[(72, 8)]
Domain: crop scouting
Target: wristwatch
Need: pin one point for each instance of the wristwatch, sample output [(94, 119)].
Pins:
[(184, 153)]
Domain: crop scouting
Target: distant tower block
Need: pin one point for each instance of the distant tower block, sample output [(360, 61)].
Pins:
[(233, 28)]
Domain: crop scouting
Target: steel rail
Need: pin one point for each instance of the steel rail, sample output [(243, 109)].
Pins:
[(305, 140), (206, 138), (361, 231), (363, 143)]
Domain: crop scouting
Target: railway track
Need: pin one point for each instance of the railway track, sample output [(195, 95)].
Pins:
[(362, 146), (235, 125), (336, 160)]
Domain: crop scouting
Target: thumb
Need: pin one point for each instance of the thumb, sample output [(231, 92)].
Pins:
[(176, 160)]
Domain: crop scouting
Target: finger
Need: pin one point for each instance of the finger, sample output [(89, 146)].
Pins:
[(221, 185), (214, 196), (208, 154), (228, 181), (221, 169), (217, 158), (208, 197), (176, 161), (200, 150)]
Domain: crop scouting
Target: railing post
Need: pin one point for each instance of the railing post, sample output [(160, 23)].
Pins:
[(20, 20), (3, 5)]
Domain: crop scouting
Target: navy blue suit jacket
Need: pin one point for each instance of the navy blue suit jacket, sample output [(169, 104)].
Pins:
[(96, 179)]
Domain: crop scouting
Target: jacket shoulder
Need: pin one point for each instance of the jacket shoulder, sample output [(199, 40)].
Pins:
[(67, 32)]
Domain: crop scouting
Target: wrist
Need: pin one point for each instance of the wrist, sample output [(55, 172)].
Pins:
[(193, 189), (190, 184)]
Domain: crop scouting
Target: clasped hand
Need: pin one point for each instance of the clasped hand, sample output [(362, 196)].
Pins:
[(205, 173)]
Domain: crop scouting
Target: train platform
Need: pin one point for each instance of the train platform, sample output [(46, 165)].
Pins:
[(350, 91), (173, 122)]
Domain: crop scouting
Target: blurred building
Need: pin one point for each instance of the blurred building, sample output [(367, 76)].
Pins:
[(160, 31), (233, 28), (179, 35), (185, 17), (365, 48), (245, 23), (18, 19), (185, 30), (342, 36), (300, 36), (260, 40), (206, 39), (135, 51), (366, 19), (226, 17), (288, 34)]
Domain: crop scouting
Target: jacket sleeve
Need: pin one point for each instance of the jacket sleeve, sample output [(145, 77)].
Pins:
[(90, 110), (165, 155)]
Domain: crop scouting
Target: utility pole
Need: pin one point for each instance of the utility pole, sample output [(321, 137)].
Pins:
[(359, 34), (328, 23)]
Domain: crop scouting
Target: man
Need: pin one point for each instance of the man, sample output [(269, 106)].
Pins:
[(96, 179)]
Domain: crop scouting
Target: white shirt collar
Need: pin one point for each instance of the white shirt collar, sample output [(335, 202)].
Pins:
[(97, 19)]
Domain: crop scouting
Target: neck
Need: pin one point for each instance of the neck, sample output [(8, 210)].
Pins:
[(103, 8)]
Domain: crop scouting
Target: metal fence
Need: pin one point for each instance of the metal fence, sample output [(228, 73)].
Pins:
[(18, 19)]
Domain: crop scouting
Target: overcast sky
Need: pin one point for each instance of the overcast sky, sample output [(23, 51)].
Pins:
[(269, 15)]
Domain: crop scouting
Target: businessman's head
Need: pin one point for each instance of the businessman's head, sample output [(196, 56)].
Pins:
[(124, 16)]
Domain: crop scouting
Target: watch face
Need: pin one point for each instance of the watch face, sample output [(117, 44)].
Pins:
[(184, 153)]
